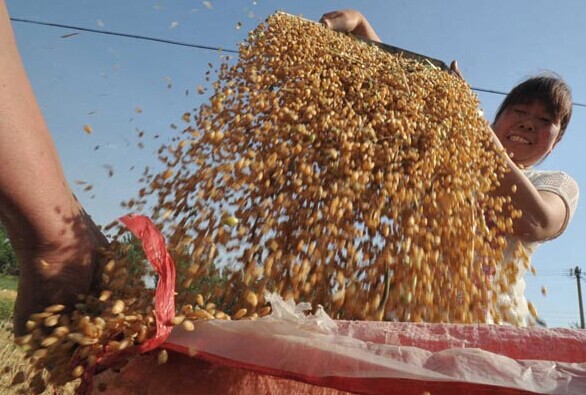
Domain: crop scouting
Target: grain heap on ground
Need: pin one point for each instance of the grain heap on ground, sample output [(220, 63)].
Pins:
[(323, 169)]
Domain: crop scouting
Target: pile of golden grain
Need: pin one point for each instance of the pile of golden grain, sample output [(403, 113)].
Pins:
[(323, 169)]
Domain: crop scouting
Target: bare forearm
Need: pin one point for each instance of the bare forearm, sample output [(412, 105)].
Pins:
[(543, 213), (365, 30), (350, 21), (27, 152), (55, 241)]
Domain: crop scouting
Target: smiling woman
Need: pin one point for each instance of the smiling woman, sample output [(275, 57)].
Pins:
[(529, 123)]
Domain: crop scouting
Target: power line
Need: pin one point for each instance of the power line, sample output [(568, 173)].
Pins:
[(558, 312), (191, 45), (552, 274), (136, 36), (560, 315), (550, 318)]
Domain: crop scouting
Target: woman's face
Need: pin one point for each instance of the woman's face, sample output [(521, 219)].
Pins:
[(527, 131)]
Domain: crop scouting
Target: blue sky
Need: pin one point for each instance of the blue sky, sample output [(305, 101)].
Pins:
[(121, 86)]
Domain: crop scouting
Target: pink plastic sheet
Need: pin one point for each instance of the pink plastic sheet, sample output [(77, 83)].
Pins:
[(290, 352), (372, 357)]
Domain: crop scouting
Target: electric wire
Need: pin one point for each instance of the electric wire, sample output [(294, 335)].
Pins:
[(128, 35)]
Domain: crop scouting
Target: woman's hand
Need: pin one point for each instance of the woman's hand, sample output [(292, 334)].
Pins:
[(455, 70), (349, 21), (345, 21)]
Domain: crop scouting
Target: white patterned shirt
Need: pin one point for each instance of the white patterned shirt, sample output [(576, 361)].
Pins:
[(513, 303)]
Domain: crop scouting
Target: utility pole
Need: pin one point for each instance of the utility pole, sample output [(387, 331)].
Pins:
[(578, 272)]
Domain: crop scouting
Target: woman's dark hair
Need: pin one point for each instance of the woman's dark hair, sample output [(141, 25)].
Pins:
[(549, 89)]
